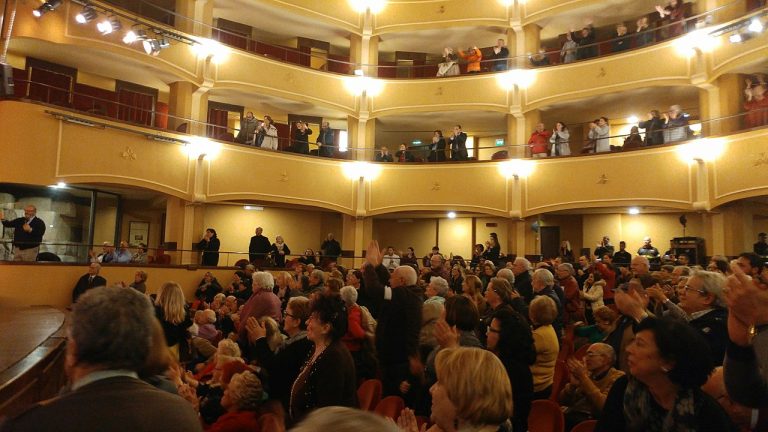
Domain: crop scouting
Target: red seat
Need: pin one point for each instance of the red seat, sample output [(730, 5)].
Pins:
[(390, 406), (369, 394), (269, 422), (545, 416), (585, 426), (560, 380)]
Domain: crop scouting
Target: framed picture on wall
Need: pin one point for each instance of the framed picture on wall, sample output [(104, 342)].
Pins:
[(138, 232)]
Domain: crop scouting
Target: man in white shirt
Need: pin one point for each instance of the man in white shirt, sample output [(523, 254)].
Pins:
[(391, 260)]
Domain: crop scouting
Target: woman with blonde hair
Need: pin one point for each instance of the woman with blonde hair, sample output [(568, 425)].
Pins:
[(171, 311), (285, 288), (279, 251), (542, 313), (472, 392), (472, 288)]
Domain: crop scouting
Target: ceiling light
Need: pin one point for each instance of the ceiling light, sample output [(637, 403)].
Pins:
[(634, 211), (256, 208), (109, 25), (632, 119), (375, 6), (451, 215), (46, 7), (522, 78), (86, 15), (735, 38), (755, 26)]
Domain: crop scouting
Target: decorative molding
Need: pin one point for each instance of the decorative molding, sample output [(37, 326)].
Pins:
[(128, 154), (603, 179), (436, 186), (762, 159), (284, 176)]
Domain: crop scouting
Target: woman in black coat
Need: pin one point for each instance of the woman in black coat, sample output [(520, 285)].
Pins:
[(210, 245), (279, 251)]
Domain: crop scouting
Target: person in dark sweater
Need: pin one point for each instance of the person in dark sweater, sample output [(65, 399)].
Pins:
[(28, 233), (399, 322), (330, 249), (209, 245), (703, 300), (259, 248), (285, 364)]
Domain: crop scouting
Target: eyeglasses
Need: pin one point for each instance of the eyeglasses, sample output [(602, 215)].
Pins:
[(689, 288), (286, 314)]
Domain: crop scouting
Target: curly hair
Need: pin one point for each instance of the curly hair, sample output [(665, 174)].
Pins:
[(246, 391), (330, 309)]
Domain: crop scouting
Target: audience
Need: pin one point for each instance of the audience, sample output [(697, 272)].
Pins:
[(542, 313), (88, 281)]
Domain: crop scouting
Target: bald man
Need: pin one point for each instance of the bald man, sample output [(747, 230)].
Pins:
[(28, 233)]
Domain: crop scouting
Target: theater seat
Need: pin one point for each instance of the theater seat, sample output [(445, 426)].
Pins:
[(585, 426), (545, 416), (559, 381), (390, 406), (48, 257), (369, 394)]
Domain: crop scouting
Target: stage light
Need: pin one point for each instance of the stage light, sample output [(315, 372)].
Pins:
[(86, 15), (46, 7), (132, 36), (755, 26), (154, 46), (109, 25)]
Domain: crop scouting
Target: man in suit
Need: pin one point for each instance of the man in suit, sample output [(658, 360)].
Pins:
[(458, 144), (259, 248), (110, 339), (88, 281)]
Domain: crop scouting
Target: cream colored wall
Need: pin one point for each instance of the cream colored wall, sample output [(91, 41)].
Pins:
[(487, 146), (418, 233), (483, 232), (301, 229), (104, 225), (455, 236)]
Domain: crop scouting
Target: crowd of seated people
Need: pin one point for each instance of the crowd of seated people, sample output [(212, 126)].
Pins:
[(267, 346)]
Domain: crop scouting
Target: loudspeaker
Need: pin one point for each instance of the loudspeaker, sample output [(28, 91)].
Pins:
[(6, 80)]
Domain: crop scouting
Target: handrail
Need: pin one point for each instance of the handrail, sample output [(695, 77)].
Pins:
[(351, 66), (351, 150)]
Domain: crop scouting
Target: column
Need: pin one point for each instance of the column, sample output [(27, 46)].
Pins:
[(184, 226), (362, 137), (188, 104), (364, 50), (357, 233), (732, 10), (721, 98), (526, 42), (194, 17)]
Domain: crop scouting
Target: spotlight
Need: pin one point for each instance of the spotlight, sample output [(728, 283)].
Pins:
[(153, 46), (451, 215), (48, 6), (634, 211), (735, 38), (109, 25), (132, 36), (755, 26), (86, 15)]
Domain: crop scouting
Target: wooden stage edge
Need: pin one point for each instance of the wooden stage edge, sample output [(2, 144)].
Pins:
[(31, 357)]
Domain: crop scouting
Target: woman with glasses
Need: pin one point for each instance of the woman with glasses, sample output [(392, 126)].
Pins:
[(328, 376), (284, 364)]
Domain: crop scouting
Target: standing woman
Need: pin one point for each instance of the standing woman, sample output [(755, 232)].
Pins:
[(494, 249), (566, 252), (210, 245), (268, 132), (171, 311), (437, 149), (279, 251), (328, 377), (560, 140)]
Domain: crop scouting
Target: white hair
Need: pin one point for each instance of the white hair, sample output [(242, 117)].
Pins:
[(440, 285), (507, 274), (349, 295), (408, 274), (526, 264), (544, 276), (263, 280)]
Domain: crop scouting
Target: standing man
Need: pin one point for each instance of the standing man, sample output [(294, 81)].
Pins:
[(259, 248), (88, 281), (330, 250), (458, 141), (761, 247), (539, 141), (325, 140), (391, 260), (109, 342), (27, 234), (604, 247), (500, 54), (301, 138), (622, 257), (247, 131), (649, 251)]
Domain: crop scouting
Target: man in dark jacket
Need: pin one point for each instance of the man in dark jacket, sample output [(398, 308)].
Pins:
[(458, 144), (247, 131), (28, 233), (88, 281), (330, 249), (259, 248), (325, 141), (399, 324)]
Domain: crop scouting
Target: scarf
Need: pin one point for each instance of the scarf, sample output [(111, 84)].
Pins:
[(641, 415)]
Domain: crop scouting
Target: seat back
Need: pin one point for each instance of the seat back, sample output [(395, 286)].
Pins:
[(269, 422), (559, 381), (545, 416), (369, 394), (585, 426), (390, 406)]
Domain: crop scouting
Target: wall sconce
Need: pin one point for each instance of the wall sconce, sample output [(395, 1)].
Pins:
[(375, 6), (696, 41), (702, 150), (360, 170), (205, 48), (362, 85), (201, 148), (516, 168), (520, 78)]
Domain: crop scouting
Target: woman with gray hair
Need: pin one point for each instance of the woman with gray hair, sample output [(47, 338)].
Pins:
[(437, 290), (354, 339), (241, 400)]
